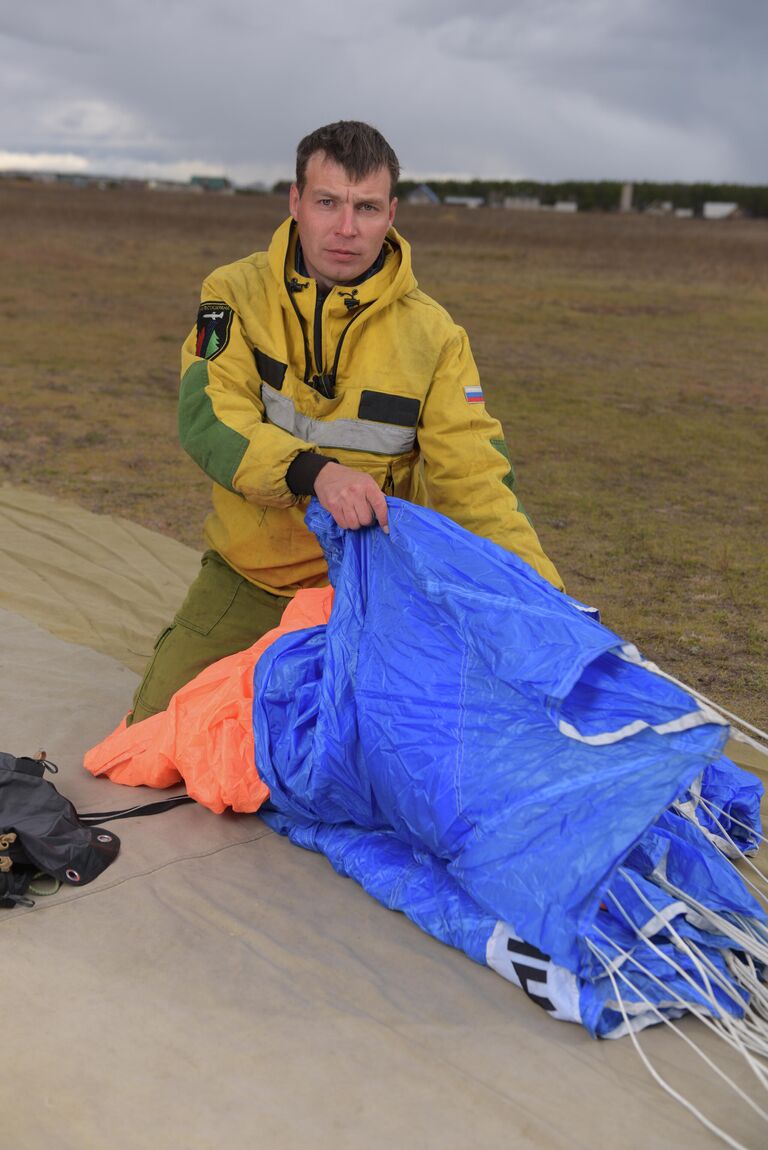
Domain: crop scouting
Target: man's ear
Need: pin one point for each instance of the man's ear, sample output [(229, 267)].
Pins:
[(392, 210), (293, 201)]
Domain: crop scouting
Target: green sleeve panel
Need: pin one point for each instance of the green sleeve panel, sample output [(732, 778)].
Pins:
[(218, 449), (509, 479)]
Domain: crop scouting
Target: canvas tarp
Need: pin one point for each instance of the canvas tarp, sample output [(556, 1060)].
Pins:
[(218, 986)]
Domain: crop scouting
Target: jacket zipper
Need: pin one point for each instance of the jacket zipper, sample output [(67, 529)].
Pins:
[(307, 357), (318, 338), (337, 356), (319, 301)]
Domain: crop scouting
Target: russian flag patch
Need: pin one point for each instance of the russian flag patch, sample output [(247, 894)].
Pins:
[(473, 394)]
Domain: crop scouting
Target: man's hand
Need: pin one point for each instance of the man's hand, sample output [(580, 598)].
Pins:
[(351, 496)]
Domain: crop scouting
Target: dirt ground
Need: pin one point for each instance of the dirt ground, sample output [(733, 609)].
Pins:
[(625, 355)]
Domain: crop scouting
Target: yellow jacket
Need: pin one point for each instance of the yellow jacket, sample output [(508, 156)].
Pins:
[(406, 407)]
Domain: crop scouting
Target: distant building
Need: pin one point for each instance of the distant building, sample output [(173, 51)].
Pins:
[(625, 202), (129, 182), (660, 208), (522, 203), (102, 183), (218, 184), (167, 186), (720, 210), (74, 179), (684, 213), (423, 196), (565, 206), (464, 201), (24, 175)]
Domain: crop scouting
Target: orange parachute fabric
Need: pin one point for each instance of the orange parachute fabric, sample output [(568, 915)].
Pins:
[(205, 737)]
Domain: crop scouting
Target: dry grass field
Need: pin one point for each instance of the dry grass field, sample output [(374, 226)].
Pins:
[(625, 356)]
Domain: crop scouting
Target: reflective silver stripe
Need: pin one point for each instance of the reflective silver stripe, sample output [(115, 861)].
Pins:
[(348, 434)]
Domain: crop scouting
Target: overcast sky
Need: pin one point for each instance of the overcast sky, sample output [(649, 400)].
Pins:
[(547, 89)]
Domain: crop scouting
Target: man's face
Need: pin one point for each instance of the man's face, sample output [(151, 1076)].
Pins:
[(342, 224)]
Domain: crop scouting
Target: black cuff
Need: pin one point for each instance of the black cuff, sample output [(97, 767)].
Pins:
[(304, 470)]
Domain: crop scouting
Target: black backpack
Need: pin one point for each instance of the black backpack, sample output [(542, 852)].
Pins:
[(42, 834)]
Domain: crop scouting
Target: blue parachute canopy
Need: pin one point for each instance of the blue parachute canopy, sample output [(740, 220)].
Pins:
[(475, 748)]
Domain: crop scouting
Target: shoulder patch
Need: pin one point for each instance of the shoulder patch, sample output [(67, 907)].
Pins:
[(473, 394), (214, 321)]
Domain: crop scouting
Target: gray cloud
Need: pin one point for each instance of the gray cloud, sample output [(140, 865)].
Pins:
[(583, 88)]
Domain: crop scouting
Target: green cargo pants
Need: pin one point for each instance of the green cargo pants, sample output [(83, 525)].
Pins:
[(222, 613)]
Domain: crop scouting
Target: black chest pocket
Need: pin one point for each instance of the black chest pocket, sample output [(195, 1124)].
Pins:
[(384, 407)]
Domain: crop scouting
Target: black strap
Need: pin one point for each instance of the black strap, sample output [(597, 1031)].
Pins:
[(92, 818)]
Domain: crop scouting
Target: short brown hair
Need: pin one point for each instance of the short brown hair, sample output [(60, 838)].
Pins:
[(358, 148)]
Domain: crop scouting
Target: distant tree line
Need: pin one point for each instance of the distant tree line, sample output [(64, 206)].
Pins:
[(603, 195)]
